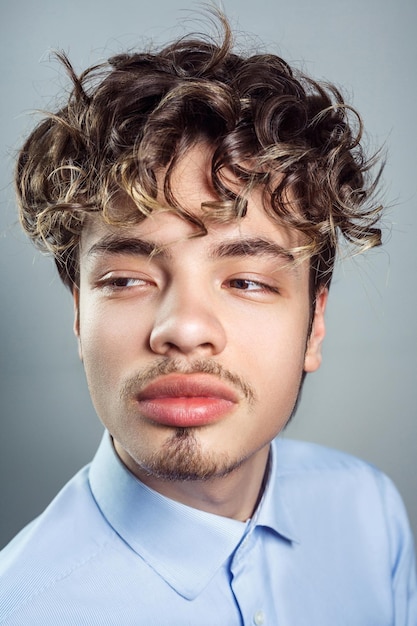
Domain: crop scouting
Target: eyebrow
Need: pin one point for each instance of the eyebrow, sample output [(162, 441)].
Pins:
[(257, 246), (249, 247), (111, 244)]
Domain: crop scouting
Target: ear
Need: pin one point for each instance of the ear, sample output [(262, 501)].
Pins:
[(312, 359), (76, 299)]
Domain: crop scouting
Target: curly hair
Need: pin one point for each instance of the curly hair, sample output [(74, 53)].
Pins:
[(137, 114)]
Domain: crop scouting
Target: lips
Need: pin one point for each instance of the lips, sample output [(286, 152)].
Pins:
[(186, 400)]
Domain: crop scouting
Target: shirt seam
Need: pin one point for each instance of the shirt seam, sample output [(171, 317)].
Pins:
[(353, 465)]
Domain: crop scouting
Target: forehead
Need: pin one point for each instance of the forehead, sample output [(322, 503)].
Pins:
[(167, 230), (194, 197)]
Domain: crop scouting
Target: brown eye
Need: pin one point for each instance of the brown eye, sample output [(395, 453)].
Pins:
[(121, 283), (242, 283), (245, 284), (124, 282)]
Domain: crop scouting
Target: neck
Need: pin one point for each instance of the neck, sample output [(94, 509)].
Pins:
[(235, 495)]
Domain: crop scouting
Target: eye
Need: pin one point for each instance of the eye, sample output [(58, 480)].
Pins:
[(111, 284), (125, 282), (247, 284)]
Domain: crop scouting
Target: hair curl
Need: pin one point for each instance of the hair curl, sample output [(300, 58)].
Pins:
[(139, 113)]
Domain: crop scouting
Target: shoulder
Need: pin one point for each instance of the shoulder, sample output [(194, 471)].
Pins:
[(313, 465), (343, 490), (299, 458), (68, 534), (295, 455), (346, 517)]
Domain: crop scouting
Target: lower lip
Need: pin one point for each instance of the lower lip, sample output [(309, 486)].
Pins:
[(183, 412)]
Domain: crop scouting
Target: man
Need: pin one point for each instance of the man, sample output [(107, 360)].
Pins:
[(193, 200)]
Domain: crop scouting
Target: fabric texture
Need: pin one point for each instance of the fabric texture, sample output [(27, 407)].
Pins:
[(329, 545)]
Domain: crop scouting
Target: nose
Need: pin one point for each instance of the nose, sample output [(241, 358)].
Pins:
[(187, 324)]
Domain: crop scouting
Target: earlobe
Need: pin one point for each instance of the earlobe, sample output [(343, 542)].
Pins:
[(76, 327), (312, 358)]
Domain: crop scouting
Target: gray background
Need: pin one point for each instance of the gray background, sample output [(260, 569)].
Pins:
[(364, 399)]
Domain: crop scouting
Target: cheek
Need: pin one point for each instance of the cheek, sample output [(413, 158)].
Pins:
[(109, 341), (271, 354)]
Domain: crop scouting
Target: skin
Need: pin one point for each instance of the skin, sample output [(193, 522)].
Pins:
[(197, 305)]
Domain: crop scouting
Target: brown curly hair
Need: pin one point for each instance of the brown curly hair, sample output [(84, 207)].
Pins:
[(139, 113)]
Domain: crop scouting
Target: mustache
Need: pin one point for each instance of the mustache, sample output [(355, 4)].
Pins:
[(136, 383)]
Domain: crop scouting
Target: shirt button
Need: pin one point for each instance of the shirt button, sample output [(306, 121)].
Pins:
[(259, 618)]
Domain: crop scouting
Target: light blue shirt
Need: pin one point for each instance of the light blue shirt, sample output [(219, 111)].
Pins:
[(329, 545)]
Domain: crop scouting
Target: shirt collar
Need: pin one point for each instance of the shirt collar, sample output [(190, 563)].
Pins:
[(185, 546), (272, 511)]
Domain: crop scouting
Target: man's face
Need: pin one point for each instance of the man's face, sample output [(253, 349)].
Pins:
[(194, 354)]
